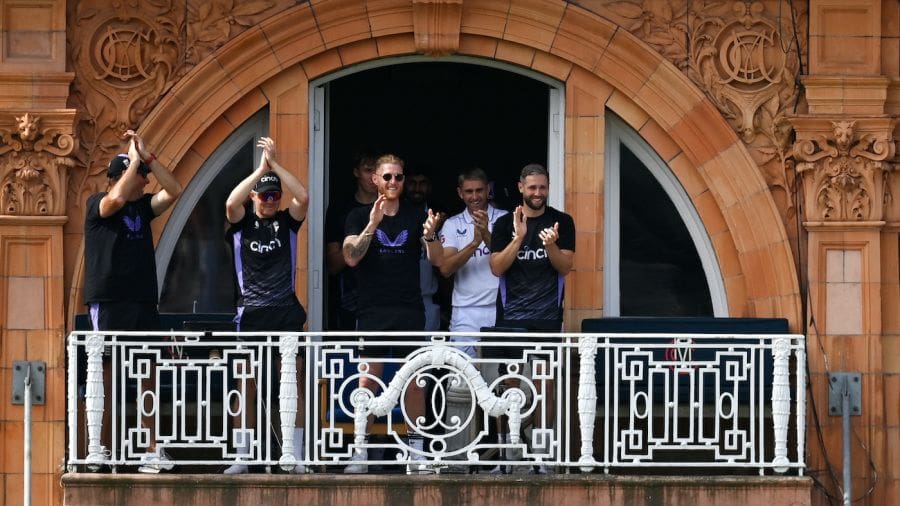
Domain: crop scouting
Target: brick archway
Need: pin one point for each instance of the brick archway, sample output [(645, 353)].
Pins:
[(602, 66)]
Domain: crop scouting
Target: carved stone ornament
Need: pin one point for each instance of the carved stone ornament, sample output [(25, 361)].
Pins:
[(128, 55), (436, 24), (846, 172), (34, 162), (743, 55)]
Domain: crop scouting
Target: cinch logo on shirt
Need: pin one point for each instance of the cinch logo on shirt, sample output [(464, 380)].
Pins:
[(259, 247), (532, 254), (482, 251)]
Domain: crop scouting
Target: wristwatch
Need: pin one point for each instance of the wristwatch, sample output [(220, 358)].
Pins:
[(432, 239)]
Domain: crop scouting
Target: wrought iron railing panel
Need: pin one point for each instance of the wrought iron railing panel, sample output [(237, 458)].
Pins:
[(572, 401)]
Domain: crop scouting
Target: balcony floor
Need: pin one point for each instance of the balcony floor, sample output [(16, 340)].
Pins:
[(394, 490)]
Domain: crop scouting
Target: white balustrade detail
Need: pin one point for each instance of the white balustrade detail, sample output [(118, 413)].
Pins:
[(714, 401)]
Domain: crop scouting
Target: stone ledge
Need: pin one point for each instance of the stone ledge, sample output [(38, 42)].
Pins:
[(337, 489)]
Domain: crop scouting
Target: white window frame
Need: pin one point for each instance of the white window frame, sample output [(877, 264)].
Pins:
[(255, 127), (618, 132), (318, 152)]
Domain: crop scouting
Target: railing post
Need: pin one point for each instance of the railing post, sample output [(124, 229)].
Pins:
[(587, 400), (781, 401), (93, 399), (287, 397)]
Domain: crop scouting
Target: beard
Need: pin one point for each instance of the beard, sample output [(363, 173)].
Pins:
[(536, 203)]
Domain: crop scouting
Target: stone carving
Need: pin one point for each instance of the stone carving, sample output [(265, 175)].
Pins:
[(34, 162), (127, 55), (436, 25), (845, 175), (743, 55)]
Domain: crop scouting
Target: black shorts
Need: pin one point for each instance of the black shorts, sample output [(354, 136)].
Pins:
[(270, 319), (515, 352), (395, 319)]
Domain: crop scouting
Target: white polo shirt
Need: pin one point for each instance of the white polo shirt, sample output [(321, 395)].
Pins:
[(473, 284)]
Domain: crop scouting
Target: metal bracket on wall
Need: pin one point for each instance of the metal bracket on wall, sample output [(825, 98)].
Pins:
[(837, 383), (37, 372)]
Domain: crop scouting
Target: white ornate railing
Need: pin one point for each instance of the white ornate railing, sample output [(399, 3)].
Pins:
[(581, 401)]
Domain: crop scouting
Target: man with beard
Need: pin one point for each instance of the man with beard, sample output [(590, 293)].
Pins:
[(418, 191), (532, 250), (384, 243)]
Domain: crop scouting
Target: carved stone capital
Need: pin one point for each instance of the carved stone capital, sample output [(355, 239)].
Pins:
[(845, 167), (35, 149), (436, 25)]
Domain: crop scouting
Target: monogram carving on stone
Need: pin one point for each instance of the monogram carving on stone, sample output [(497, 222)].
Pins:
[(743, 55), (845, 175), (33, 163)]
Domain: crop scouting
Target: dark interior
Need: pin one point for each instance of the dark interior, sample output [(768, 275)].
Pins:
[(439, 118)]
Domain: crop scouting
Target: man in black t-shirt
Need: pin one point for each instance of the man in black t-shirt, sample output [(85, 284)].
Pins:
[(384, 243), (532, 251), (343, 280), (264, 242), (120, 287)]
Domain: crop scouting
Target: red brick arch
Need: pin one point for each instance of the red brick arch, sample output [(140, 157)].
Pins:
[(603, 67)]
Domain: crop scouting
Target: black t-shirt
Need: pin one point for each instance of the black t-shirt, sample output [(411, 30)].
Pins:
[(531, 289), (335, 218), (388, 275), (265, 258), (119, 262)]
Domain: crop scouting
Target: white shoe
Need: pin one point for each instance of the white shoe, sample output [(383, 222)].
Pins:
[(418, 465), (236, 469), (94, 464), (153, 463), (358, 463)]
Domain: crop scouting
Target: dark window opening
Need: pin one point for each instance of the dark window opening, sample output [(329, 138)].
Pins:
[(660, 272)]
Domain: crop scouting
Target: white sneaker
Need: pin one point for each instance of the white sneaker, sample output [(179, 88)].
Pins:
[(153, 463), (236, 469), (300, 469), (95, 464), (419, 465), (358, 463)]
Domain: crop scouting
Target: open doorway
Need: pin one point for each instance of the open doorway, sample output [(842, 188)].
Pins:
[(440, 117)]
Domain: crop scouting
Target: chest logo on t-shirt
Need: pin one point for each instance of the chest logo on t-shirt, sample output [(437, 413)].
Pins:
[(527, 254), (262, 247), (133, 227), (386, 241)]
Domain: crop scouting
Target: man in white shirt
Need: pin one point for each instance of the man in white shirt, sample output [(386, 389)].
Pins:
[(466, 238)]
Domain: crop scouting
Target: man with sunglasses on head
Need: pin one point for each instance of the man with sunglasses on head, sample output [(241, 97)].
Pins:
[(120, 266), (384, 242), (264, 241)]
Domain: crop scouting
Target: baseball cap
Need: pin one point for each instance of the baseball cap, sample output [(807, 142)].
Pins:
[(120, 163), (269, 182)]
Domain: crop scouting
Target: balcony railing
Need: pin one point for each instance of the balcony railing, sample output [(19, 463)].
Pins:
[(582, 401)]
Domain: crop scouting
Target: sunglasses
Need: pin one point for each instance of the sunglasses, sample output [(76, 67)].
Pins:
[(270, 196), (387, 176)]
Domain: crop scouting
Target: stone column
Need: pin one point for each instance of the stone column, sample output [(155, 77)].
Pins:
[(36, 141), (845, 171)]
